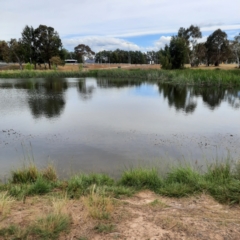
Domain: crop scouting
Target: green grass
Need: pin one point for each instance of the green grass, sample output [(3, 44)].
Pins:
[(104, 228), (140, 178), (221, 180), (185, 76)]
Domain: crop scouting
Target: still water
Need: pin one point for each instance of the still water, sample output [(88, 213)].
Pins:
[(99, 125)]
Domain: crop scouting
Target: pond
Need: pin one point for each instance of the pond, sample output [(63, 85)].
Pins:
[(100, 125)]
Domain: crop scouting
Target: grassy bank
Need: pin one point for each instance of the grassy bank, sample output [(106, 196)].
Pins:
[(97, 195), (221, 180), (186, 76)]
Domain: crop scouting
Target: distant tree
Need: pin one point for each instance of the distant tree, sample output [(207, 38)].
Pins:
[(152, 57), (56, 61), (235, 46), (165, 58), (4, 51), (16, 52), (48, 43), (64, 53), (200, 53), (218, 49), (82, 51), (191, 35)]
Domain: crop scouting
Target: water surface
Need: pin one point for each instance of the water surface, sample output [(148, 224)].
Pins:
[(99, 125)]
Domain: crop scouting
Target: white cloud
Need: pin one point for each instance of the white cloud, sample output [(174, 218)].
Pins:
[(99, 43), (114, 19)]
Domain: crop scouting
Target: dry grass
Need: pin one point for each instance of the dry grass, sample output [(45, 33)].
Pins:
[(145, 216), (5, 204), (98, 205), (86, 67)]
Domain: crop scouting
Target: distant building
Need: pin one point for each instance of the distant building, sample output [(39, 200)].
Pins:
[(70, 61)]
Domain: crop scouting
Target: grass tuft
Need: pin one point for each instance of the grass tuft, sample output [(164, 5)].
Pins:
[(6, 202), (98, 206), (51, 226), (105, 228), (26, 175), (141, 178)]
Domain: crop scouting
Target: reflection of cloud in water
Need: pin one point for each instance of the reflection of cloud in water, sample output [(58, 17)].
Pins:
[(121, 124), (84, 90)]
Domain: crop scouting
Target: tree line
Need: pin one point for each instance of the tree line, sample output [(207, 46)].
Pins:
[(44, 46), (185, 48)]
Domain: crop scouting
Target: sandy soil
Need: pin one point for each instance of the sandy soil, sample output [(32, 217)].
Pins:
[(143, 216)]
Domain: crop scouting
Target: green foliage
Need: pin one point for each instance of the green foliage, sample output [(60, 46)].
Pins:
[(141, 178), (217, 47), (30, 174), (41, 186), (221, 180), (26, 175), (79, 184), (178, 51), (29, 66), (186, 76)]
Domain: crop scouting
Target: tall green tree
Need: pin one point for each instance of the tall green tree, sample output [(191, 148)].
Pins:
[(32, 53), (48, 43), (218, 49), (178, 50), (191, 35)]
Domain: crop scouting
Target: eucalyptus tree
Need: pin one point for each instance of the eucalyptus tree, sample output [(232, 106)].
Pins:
[(235, 46), (16, 52), (48, 43), (32, 53), (218, 49), (82, 51), (191, 35)]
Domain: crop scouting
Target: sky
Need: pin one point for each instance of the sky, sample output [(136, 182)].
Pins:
[(137, 25)]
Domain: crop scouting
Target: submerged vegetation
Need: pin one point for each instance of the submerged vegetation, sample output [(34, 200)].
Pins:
[(186, 76)]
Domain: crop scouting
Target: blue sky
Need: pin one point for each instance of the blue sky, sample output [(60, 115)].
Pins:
[(109, 24)]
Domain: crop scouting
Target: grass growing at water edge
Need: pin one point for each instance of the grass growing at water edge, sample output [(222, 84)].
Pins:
[(186, 76), (220, 180)]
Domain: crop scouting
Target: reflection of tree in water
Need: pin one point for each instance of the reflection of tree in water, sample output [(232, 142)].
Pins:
[(211, 96), (85, 91), (178, 96), (233, 98), (46, 99), (181, 97), (117, 83)]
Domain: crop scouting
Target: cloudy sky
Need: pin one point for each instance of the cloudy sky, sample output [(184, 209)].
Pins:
[(125, 24)]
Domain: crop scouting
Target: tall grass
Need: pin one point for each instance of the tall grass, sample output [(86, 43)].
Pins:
[(186, 76), (221, 180)]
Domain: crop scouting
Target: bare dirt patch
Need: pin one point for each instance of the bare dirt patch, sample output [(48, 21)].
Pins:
[(143, 216)]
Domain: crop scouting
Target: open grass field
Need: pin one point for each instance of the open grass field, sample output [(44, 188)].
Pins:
[(184, 204), (75, 67)]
